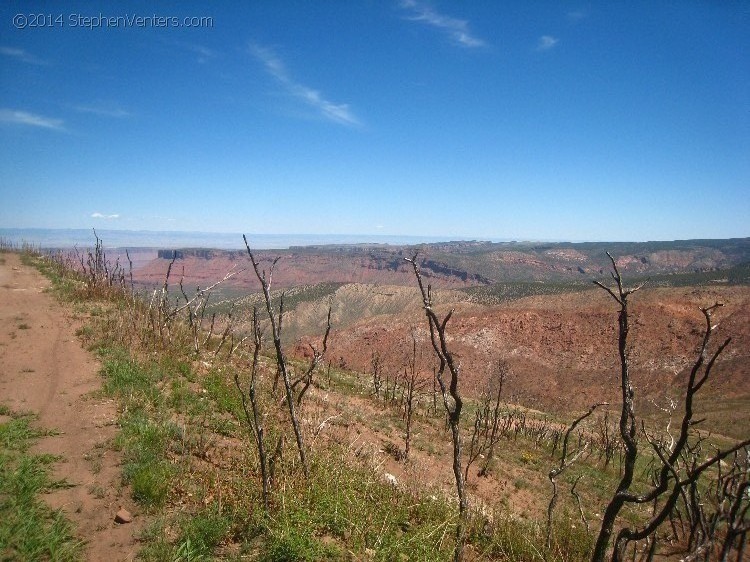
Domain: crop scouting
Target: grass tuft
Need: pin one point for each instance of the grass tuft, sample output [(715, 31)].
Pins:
[(29, 530)]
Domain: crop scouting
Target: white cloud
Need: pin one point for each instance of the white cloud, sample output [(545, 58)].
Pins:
[(105, 217), (204, 53), (577, 15), (21, 55), (340, 113), (103, 110), (546, 42), (457, 29), (31, 119)]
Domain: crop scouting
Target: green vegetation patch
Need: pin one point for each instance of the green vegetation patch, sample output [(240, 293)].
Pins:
[(293, 297), (145, 431), (29, 529), (503, 292), (737, 275)]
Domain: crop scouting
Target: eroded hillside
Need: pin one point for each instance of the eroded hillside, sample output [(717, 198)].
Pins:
[(562, 349)]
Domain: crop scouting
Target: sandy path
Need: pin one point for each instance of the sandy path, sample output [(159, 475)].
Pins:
[(43, 369)]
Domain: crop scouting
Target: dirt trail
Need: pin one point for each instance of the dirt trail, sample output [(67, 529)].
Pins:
[(44, 370)]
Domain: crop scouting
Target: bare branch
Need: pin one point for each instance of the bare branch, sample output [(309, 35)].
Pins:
[(307, 376), (565, 462), (200, 292), (446, 359), (280, 360)]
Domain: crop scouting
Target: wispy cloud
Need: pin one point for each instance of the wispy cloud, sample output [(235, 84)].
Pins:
[(546, 42), (103, 110), (577, 15), (103, 216), (339, 113), (456, 29), (204, 54), (19, 117), (21, 55)]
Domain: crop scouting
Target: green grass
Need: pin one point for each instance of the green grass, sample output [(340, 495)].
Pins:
[(66, 284), (29, 530), (342, 508), (201, 534), (150, 394), (223, 393), (146, 469), (145, 432)]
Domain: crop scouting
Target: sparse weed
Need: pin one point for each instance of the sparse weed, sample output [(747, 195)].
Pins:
[(520, 484), (98, 492), (205, 531), (86, 333)]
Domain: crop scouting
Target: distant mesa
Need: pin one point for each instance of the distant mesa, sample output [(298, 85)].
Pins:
[(200, 253), (462, 264)]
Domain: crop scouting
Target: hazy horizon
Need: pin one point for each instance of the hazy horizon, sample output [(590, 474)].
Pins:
[(167, 239), (170, 239)]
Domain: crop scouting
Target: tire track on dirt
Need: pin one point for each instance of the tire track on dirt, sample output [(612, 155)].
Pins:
[(44, 370)]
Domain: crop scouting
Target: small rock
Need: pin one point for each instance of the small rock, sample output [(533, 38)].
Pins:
[(123, 516)]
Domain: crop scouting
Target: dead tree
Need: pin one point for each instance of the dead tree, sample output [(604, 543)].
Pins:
[(255, 419), (130, 271), (162, 314), (733, 504), (434, 391), (451, 398), (159, 307), (201, 295), (412, 386), (672, 476), (391, 395), (306, 378), (486, 432), (565, 461), (716, 516), (228, 331), (276, 323), (501, 372), (377, 373), (608, 441)]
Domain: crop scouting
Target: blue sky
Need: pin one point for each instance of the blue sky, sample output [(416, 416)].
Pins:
[(502, 120)]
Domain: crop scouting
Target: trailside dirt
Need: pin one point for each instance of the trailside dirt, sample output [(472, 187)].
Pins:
[(45, 371)]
